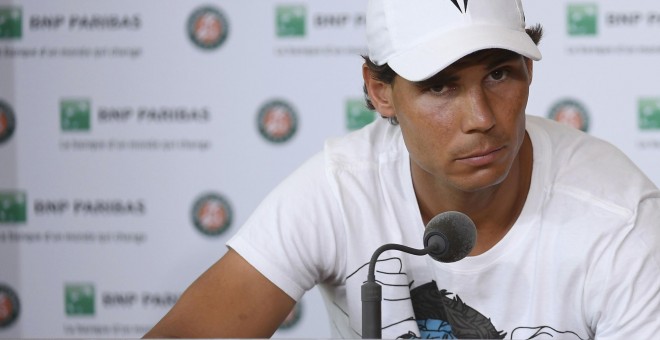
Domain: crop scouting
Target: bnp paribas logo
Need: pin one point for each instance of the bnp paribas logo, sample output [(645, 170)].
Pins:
[(570, 112), (290, 20), (79, 299), (208, 27), (11, 22), (212, 214), (582, 19), (649, 113), (7, 122), (357, 114), (277, 121), (13, 207), (9, 306), (75, 114)]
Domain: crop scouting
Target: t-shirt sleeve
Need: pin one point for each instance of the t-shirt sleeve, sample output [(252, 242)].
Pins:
[(627, 302), (294, 237)]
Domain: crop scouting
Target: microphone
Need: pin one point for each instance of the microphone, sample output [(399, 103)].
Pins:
[(448, 237)]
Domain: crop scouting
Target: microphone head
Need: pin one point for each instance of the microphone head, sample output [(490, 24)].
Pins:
[(455, 233)]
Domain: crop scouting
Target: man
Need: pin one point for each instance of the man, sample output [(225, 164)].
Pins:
[(568, 241)]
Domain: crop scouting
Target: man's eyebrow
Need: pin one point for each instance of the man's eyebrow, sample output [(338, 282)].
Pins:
[(440, 78), (447, 75), (500, 59)]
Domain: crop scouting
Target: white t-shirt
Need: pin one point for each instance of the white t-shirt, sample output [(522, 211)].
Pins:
[(582, 260)]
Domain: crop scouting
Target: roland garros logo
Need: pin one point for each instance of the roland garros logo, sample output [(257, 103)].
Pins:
[(212, 214), (277, 121), (570, 112), (208, 27), (9, 306), (7, 122)]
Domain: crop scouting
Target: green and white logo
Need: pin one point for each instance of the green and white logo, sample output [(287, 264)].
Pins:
[(13, 207), (290, 20), (277, 121), (212, 214), (570, 112), (11, 23), (582, 19), (208, 27), (75, 114), (9, 306), (79, 299), (357, 114), (649, 113), (7, 122)]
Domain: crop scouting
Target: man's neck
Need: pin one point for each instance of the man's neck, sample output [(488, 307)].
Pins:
[(494, 210)]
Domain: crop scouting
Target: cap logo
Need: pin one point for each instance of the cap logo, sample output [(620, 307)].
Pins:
[(465, 3)]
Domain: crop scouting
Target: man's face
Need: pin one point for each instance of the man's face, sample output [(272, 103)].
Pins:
[(464, 126)]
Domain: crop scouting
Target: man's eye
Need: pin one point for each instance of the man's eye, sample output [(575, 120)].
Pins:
[(443, 88), (499, 74), (437, 89)]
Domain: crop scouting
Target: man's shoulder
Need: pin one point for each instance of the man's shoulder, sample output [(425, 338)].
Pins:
[(566, 144), (366, 146), (586, 166)]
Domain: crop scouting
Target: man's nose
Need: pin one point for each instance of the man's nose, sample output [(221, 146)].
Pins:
[(477, 115)]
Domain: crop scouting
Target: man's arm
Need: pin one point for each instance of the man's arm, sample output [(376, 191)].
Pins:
[(230, 300)]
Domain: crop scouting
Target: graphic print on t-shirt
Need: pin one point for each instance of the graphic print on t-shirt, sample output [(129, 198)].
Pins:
[(441, 317), (437, 313)]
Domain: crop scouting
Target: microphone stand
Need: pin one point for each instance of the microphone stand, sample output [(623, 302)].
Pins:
[(460, 229), (372, 291)]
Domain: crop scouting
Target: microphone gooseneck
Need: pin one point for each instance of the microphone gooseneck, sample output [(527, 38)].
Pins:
[(448, 237)]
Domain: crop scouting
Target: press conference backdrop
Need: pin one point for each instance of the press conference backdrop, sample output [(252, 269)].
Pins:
[(137, 136)]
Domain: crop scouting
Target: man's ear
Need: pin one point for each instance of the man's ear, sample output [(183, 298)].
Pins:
[(380, 93), (530, 69)]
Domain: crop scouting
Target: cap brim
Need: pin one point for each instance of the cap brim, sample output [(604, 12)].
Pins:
[(432, 56)]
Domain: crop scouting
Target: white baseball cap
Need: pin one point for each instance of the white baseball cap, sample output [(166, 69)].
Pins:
[(419, 38)]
